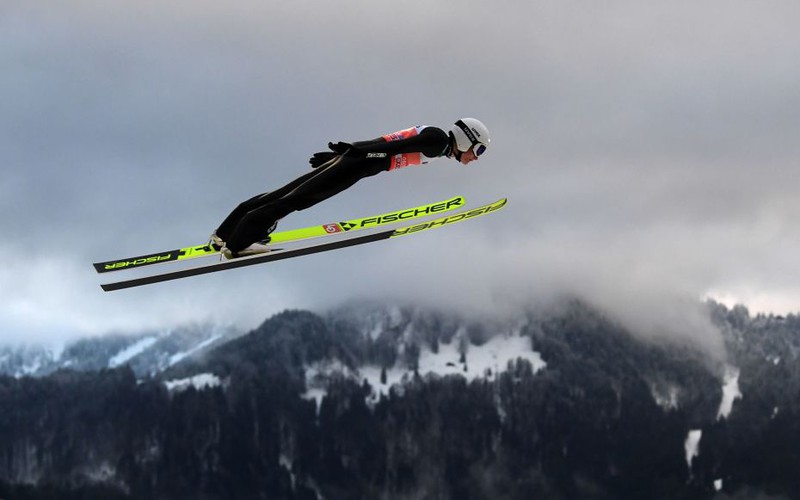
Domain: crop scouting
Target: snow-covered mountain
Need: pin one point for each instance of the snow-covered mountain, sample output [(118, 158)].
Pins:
[(408, 343), (376, 401), (147, 353), (425, 345)]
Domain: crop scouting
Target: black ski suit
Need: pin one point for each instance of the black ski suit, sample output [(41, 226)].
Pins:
[(332, 173)]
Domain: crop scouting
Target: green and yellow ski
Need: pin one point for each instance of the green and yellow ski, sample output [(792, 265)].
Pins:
[(332, 228), (308, 249)]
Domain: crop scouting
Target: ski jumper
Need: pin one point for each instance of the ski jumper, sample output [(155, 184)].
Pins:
[(333, 172)]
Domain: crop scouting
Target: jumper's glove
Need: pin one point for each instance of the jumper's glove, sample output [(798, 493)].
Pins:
[(339, 149), (342, 148), (322, 158)]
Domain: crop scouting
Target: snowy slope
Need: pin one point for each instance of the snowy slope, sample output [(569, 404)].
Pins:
[(147, 353), (478, 361)]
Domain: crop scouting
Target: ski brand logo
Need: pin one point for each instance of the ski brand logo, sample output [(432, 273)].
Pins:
[(332, 228), (139, 262), (408, 214), (376, 155), (451, 219), (471, 133)]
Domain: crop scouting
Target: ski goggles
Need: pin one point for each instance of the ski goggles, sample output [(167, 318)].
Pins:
[(478, 148)]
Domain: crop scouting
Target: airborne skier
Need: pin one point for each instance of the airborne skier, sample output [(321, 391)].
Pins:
[(243, 231)]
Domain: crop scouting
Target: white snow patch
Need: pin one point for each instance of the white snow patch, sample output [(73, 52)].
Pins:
[(317, 375), (315, 393), (718, 485), (132, 351), (394, 376), (30, 368), (775, 360), (485, 361), (730, 392), (666, 398), (692, 445), (105, 472), (492, 357), (175, 358), (321, 370), (199, 382), (284, 461)]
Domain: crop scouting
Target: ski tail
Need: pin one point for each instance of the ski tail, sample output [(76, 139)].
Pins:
[(332, 228)]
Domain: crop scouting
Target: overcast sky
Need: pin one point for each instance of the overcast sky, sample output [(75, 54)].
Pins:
[(649, 150)]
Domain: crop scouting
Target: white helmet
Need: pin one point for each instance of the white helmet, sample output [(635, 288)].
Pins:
[(469, 132)]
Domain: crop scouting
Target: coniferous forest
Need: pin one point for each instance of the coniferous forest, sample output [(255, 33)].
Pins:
[(608, 417)]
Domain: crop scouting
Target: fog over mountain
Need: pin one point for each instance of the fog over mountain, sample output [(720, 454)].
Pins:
[(386, 401)]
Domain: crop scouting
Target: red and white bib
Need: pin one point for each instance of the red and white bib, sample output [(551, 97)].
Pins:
[(406, 159)]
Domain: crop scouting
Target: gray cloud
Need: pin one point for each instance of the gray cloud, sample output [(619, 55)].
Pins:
[(648, 150)]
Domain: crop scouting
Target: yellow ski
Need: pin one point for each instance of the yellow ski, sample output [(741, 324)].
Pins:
[(288, 236), (306, 250)]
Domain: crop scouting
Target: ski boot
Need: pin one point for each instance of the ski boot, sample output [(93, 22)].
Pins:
[(254, 249), (271, 229), (215, 242)]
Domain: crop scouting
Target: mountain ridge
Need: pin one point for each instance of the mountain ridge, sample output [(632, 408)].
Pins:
[(605, 414)]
